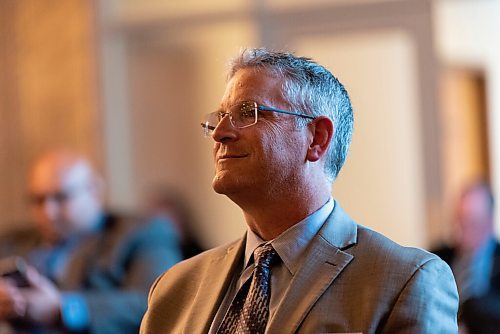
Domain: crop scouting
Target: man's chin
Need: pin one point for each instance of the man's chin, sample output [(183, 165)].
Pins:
[(224, 184), (219, 186)]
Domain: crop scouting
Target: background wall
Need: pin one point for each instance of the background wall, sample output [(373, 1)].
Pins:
[(126, 81)]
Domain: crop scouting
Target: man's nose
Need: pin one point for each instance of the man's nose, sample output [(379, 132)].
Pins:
[(225, 131)]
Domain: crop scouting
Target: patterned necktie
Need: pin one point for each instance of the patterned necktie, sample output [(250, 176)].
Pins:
[(249, 311)]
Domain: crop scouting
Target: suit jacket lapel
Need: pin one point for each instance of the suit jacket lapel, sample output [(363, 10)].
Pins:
[(213, 288), (77, 270), (91, 256), (323, 262)]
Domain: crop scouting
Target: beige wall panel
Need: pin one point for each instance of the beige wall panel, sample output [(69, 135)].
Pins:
[(56, 75)]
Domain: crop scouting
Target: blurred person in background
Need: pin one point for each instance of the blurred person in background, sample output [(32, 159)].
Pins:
[(87, 270), (164, 203), (474, 257), (281, 135)]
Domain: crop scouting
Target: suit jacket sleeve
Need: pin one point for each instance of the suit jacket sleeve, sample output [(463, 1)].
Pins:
[(427, 303)]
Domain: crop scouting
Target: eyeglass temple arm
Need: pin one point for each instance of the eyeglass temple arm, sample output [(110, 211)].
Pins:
[(284, 112)]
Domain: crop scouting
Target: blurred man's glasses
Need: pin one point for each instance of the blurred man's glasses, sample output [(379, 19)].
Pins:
[(241, 115), (40, 199), (59, 197)]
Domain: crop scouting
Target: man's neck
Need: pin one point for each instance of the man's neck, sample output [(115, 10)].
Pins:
[(270, 219)]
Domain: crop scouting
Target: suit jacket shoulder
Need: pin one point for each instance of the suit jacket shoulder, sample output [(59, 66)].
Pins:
[(189, 293), (188, 274), (377, 285), (385, 253)]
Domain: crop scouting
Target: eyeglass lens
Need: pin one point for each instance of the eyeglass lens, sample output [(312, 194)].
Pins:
[(243, 114)]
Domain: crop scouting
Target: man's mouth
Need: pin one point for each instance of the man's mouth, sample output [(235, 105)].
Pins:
[(231, 156)]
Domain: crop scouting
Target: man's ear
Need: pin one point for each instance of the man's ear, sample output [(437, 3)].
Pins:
[(322, 132)]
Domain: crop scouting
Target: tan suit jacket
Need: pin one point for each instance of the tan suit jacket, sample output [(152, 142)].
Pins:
[(353, 280)]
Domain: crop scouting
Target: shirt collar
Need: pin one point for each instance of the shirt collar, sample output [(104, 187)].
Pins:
[(291, 244)]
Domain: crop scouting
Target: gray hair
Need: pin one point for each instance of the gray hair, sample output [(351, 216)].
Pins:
[(311, 89)]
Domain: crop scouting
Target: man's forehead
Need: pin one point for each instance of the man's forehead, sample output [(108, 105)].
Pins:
[(244, 76), (46, 177), (251, 84)]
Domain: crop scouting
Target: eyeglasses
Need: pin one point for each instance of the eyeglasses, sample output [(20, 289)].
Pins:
[(60, 197), (241, 115)]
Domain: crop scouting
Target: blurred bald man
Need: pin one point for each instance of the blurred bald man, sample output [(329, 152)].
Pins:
[(88, 271)]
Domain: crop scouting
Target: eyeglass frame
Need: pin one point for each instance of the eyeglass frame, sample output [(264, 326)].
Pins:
[(258, 107), (59, 196)]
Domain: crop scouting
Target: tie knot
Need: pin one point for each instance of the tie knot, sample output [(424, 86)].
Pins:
[(264, 255)]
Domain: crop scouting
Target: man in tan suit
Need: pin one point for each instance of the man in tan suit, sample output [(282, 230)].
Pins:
[(281, 135)]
